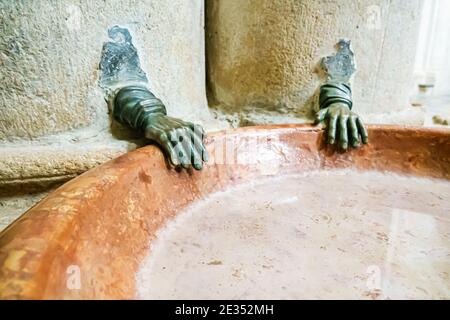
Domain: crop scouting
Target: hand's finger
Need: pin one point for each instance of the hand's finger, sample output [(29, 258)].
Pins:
[(179, 136), (184, 140), (332, 128), (320, 115), (166, 145), (343, 132), (162, 139), (353, 131), (184, 156), (200, 129), (196, 160), (173, 137), (362, 130), (200, 147)]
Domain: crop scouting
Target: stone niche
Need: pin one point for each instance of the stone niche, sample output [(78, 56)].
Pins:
[(263, 56)]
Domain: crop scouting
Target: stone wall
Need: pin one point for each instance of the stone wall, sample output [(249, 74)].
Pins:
[(263, 54), (54, 122)]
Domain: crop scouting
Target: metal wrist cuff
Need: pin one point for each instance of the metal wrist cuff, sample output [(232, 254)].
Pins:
[(335, 92), (134, 105)]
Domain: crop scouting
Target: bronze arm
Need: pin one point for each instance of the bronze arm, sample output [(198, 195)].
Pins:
[(133, 104), (335, 101)]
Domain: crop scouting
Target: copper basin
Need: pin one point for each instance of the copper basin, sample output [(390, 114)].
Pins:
[(103, 221)]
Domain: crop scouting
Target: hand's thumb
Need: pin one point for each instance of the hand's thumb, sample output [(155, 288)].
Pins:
[(320, 115)]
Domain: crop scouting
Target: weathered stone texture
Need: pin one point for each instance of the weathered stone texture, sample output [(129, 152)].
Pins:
[(263, 54)]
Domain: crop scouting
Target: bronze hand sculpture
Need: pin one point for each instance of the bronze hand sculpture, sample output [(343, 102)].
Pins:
[(133, 104), (344, 127)]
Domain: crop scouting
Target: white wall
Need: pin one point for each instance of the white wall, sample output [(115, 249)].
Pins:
[(433, 52)]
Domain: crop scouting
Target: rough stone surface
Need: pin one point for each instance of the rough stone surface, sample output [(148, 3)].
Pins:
[(54, 121), (50, 51), (263, 55), (14, 206), (34, 168)]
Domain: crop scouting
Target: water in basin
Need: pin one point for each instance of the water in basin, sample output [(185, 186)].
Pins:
[(326, 234)]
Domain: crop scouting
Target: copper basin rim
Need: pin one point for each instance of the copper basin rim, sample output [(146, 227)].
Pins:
[(101, 223)]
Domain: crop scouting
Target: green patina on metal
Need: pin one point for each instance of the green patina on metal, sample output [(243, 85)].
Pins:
[(125, 85), (344, 127)]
